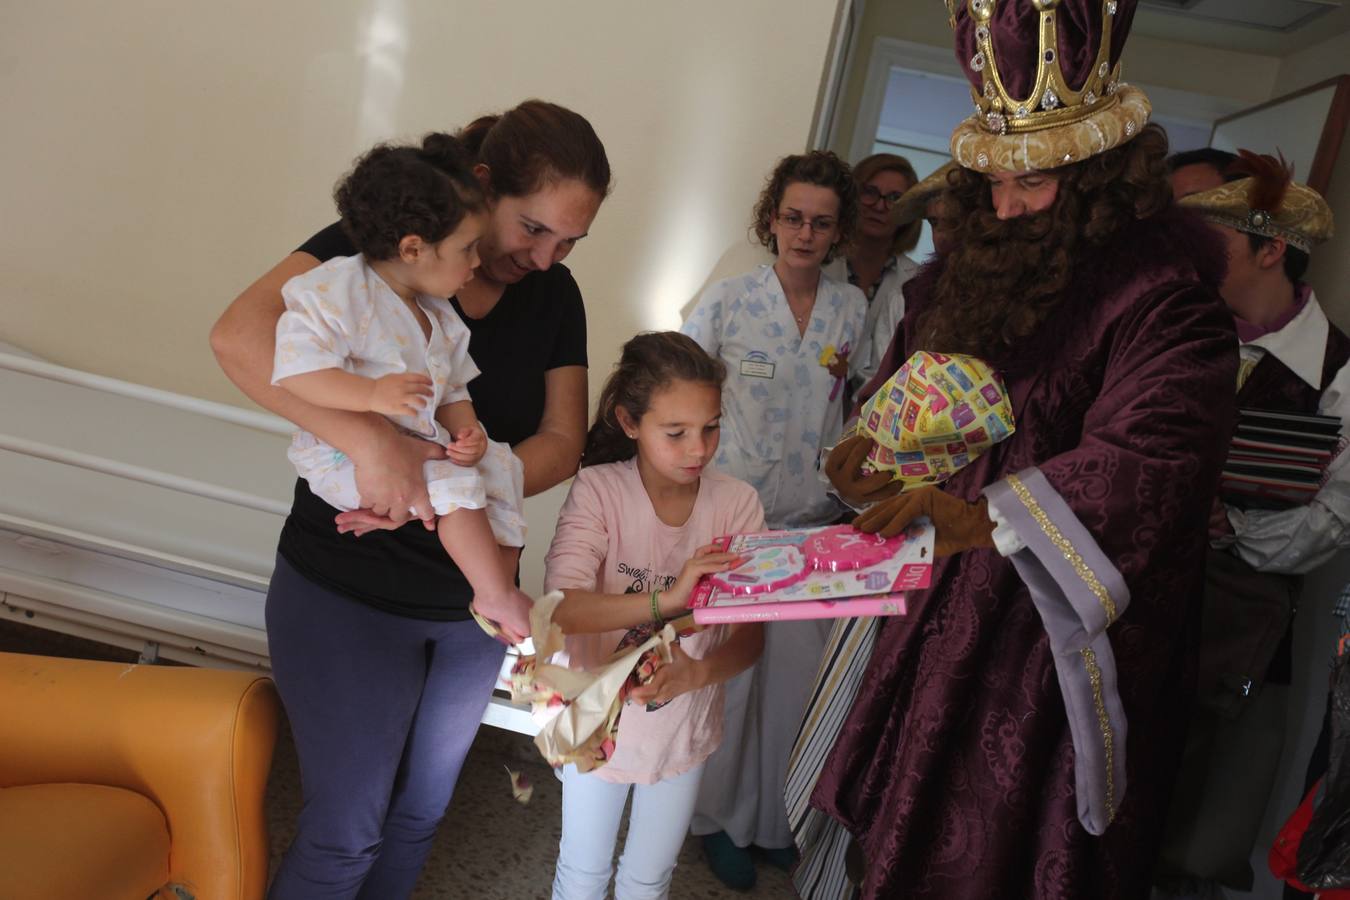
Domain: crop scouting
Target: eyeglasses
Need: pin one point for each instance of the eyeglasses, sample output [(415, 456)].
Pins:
[(793, 221), (870, 195)]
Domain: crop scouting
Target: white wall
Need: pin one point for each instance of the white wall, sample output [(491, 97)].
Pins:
[(160, 155)]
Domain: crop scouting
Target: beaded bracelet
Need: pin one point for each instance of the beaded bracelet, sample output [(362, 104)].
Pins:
[(656, 610)]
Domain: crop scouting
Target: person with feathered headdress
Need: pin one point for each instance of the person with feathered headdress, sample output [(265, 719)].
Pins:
[(1293, 360)]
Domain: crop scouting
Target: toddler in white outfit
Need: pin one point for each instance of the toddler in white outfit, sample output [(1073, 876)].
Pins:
[(343, 315), (374, 332)]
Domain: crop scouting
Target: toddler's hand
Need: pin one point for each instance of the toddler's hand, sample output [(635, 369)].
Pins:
[(400, 394), (679, 676), (510, 612), (468, 447), (706, 560)]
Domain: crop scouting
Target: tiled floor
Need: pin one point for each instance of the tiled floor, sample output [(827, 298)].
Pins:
[(489, 847)]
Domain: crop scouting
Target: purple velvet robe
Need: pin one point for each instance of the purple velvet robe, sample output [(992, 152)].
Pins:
[(955, 767)]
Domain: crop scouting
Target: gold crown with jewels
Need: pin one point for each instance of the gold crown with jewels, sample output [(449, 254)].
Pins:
[(1056, 122)]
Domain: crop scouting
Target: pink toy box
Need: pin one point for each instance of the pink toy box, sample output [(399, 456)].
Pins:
[(816, 573)]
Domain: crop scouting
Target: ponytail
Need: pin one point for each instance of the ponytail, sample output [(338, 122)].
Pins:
[(534, 144), (449, 154), (471, 135), (606, 441)]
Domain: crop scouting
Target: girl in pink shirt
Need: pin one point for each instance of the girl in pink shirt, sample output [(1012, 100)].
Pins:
[(631, 542)]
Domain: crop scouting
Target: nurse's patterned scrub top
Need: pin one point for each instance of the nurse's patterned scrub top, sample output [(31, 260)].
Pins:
[(780, 406)]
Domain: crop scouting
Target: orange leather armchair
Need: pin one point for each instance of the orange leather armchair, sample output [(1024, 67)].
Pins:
[(126, 781)]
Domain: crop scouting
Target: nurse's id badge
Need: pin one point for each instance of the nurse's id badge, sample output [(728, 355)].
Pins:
[(757, 365)]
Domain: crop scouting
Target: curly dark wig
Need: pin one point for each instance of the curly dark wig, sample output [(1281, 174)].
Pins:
[(821, 168), (1001, 279), (395, 191)]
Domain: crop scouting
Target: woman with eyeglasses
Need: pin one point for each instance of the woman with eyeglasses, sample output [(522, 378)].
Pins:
[(787, 334), (876, 262)]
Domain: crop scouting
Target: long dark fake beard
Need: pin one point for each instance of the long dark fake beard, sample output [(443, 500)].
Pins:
[(1000, 282)]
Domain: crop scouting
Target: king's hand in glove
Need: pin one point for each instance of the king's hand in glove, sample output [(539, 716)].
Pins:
[(844, 469), (958, 525)]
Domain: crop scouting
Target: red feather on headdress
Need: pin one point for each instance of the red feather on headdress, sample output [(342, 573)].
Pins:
[(1270, 178)]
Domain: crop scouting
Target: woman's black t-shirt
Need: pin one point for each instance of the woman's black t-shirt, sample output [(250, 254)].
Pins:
[(538, 324)]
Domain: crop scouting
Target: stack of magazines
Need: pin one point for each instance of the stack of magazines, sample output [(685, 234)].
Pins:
[(1278, 460)]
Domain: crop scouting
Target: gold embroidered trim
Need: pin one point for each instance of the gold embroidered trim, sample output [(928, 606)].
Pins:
[(1245, 369), (1104, 723), (1071, 556)]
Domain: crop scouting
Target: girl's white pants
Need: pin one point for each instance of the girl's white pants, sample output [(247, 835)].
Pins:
[(591, 813)]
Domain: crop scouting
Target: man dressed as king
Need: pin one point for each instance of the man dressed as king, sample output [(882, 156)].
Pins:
[(1017, 734)]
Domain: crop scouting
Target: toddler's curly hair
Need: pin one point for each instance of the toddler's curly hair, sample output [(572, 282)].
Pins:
[(395, 191)]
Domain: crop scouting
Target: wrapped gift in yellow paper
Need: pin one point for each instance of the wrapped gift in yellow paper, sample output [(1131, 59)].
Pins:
[(935, 415)]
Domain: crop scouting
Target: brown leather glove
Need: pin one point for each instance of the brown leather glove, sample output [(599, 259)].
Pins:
[(844, 469), (959, 525)]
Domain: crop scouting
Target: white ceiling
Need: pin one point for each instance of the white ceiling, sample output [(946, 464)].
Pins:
[(1271, 27)]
